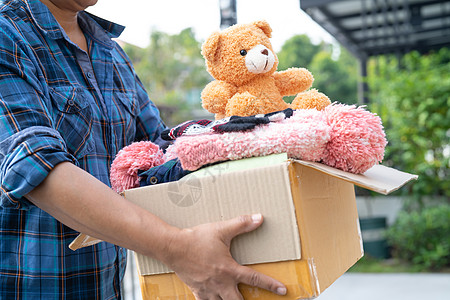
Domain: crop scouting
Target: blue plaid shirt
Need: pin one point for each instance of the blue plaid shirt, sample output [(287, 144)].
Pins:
[(59, 103)]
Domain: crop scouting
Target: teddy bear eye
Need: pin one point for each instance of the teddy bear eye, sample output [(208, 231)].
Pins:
[(243, 52)]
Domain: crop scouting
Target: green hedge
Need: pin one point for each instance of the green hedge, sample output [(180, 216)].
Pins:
[(422, 237), (412, 97)]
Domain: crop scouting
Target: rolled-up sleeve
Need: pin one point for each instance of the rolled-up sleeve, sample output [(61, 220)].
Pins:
[(26, 159), (29, 145)]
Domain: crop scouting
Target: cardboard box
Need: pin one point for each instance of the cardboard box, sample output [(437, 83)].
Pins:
[(310, 235)]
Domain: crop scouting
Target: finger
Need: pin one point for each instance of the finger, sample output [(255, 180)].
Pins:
[(239, 225), (251, 277)]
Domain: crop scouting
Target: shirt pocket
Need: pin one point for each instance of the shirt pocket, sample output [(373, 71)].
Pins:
[(73, 119), (128, 111)]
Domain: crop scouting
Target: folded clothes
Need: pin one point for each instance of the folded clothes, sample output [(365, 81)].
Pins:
[(293, 136), (132, 159), (169, 171), (342, 136), (230, 124)]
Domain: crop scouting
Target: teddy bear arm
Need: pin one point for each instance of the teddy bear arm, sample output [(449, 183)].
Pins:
[(293, 81), (215, 96)]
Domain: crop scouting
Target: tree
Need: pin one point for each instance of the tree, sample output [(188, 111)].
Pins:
[(173, 71), (413, 100), (336, 78), (298, 51)]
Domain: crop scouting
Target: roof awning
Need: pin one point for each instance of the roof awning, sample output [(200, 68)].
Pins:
[(373, 27)]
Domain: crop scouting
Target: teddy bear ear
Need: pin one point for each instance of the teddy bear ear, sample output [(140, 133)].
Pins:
[(210, 46), (265, 27)]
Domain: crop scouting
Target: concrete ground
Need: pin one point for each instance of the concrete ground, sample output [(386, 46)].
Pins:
[(367, 286), (351, 286)]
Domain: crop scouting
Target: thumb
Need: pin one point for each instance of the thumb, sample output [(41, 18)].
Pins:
[(240, 225)]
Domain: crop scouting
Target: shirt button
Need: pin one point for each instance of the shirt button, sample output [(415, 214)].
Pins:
[(89, 74), (71, 102)]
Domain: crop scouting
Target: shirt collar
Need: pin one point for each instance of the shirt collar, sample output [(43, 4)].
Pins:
[(95, 23), (44, 18), (97, 26)]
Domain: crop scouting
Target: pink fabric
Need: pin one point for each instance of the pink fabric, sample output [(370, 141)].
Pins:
[(137, 156), (341, 136), (357, 139)]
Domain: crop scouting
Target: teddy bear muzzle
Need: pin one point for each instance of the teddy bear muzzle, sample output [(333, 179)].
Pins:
[(259, 59)]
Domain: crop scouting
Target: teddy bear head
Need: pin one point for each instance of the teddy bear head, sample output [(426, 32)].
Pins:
[(240, 53)]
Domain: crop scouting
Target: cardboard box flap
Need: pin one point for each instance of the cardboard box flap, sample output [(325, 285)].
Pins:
[(380, 179), (83, 240), (199, 200)]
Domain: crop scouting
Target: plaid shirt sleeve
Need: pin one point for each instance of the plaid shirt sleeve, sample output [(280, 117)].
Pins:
[(60, 103), (30, 146)]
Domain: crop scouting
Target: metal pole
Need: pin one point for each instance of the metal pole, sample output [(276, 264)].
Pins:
[(363, 87), (228, 15), (362, 80)]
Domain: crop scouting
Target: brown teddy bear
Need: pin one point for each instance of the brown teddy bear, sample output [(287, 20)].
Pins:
[(242, 61)]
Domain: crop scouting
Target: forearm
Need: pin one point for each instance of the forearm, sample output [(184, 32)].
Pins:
[(200, 255), (85, 204)]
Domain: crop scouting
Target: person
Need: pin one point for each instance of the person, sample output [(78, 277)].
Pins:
[(69, 100)]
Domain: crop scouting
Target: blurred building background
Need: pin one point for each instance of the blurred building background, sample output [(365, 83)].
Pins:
[(394, 57)]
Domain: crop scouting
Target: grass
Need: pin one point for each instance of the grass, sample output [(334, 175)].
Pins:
[(369, 264)]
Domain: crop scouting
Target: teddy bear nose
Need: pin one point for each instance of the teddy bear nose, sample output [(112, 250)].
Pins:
[(265, 52)]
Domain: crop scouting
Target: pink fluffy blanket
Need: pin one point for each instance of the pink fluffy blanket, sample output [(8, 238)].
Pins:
[(346, 137)]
